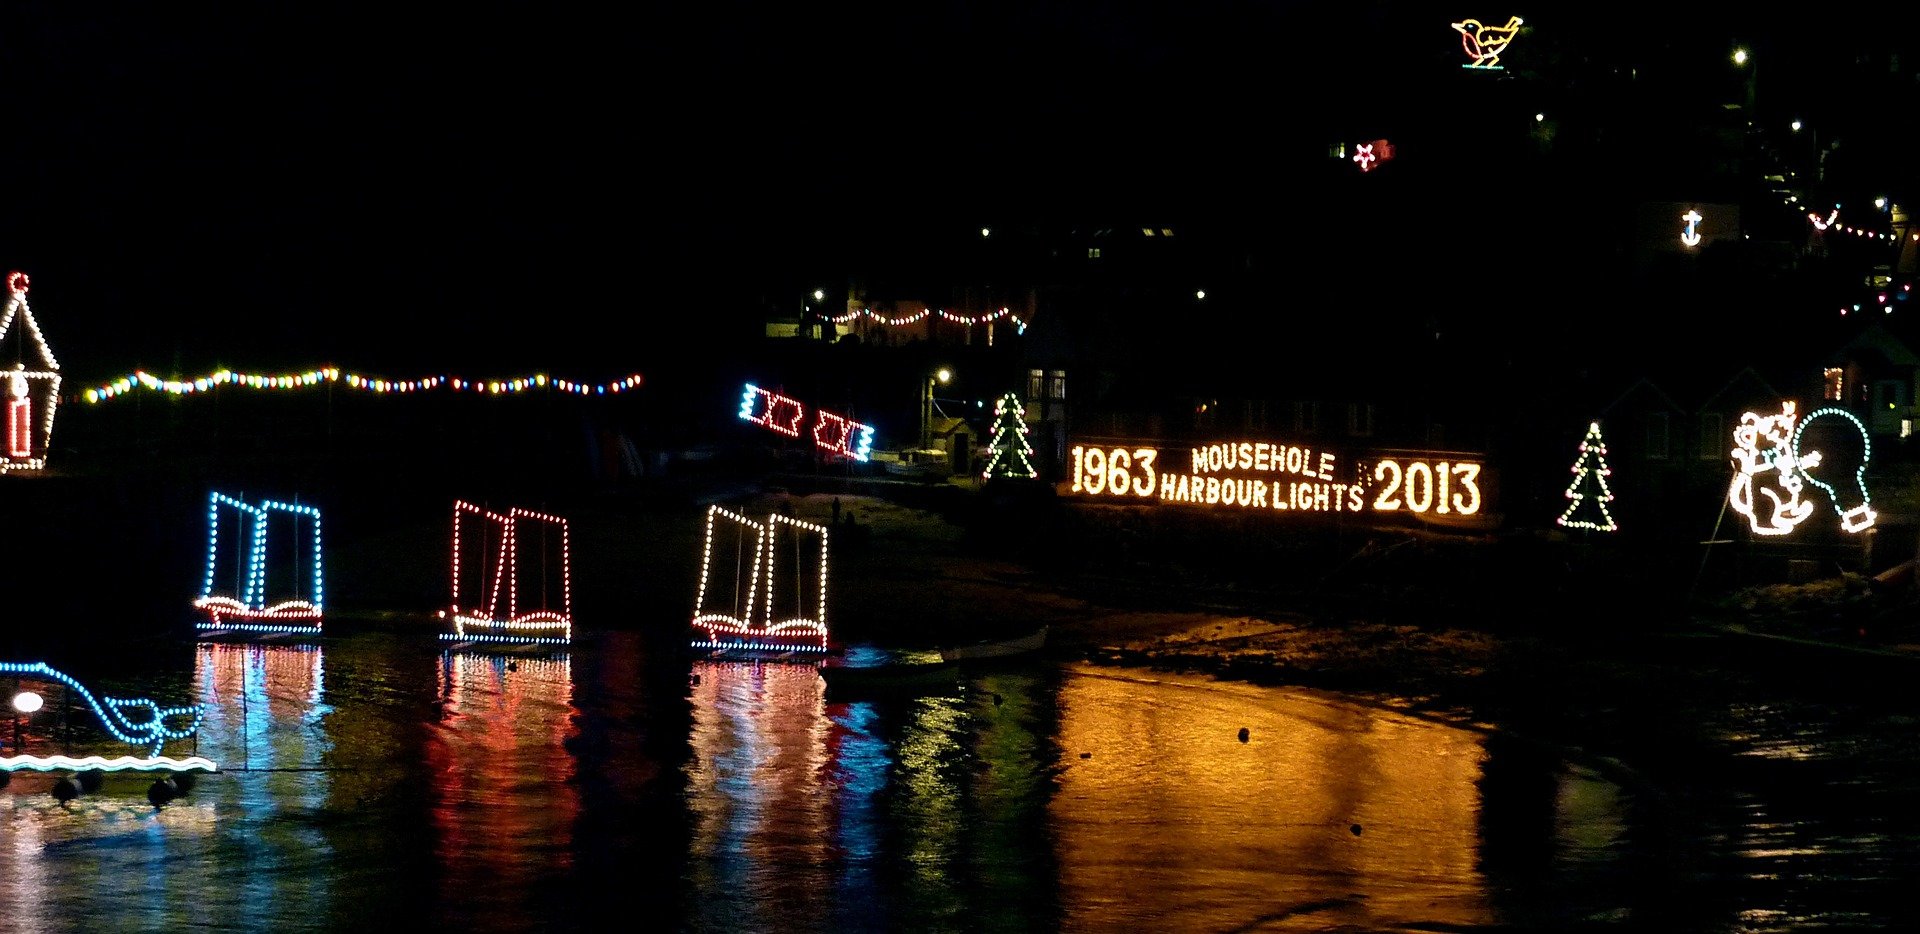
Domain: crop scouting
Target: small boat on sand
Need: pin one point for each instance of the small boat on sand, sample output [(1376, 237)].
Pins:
[(1001, 648), (892, 677)]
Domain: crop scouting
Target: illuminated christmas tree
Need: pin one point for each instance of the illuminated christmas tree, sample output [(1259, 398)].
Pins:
[(1012, 455), (1590, 486)]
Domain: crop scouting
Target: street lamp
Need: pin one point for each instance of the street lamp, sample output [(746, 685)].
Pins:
[(926, 406)]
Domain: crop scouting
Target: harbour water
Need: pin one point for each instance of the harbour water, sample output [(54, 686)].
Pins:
[(376, 781)]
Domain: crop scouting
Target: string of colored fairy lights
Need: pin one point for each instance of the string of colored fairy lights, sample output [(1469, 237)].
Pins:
[(1020, 327), (141, 379)]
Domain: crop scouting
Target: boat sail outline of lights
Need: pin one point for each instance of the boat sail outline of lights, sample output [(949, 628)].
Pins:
[(495, 541), (762, 559), (32, 382), (139, 722), (244, 607)]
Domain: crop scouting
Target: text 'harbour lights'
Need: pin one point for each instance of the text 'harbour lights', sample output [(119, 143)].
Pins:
[(1281, 478)]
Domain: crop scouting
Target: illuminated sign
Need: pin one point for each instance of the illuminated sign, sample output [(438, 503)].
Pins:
[(1484, 44), (485, 619), (1690, 234), (834, 434), (247, 599), (1775, 458), (1264, 475)]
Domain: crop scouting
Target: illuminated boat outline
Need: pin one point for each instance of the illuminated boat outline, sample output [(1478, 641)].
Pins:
[(729, 632), (249, 610), (493, 625)]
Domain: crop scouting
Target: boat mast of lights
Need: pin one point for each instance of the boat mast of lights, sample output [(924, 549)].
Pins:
[(249, 606), (488, 623), (32, 387)]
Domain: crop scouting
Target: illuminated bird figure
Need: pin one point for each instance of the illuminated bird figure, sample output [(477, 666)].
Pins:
[(1485, 43)]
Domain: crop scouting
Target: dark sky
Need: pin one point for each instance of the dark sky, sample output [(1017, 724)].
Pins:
[(266, 185)]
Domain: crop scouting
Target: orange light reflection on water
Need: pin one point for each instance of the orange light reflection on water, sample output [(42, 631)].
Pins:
[(1172, 821)]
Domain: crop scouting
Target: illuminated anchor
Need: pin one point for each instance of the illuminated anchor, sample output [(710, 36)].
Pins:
[(1691, 235)]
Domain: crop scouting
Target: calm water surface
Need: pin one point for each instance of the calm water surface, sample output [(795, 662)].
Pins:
[(376, 782)]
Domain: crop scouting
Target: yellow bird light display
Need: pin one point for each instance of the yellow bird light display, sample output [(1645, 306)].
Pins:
[(1485, 43)]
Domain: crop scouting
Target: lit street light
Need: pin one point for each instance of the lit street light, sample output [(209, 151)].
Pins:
[(926, 406)]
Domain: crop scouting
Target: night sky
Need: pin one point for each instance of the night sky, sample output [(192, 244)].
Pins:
[(500, 186)]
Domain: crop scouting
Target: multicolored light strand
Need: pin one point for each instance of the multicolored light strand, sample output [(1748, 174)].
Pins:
[(140, 379), (1020, 327)]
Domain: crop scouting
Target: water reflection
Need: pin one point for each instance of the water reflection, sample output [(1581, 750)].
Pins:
[(383, 783), (1353, 815), (504, 799)]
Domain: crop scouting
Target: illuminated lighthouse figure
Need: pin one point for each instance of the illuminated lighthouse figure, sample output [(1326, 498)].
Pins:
[(32, 385)]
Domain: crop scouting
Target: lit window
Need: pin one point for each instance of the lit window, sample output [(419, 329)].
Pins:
[(1093, 252), (1836, 383), (1035, 383), (1146, 231), (1166, 231), (1337, 150), (1056, 386)]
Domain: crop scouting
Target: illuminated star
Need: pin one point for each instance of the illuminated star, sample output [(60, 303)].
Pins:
[(1363, 154)]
